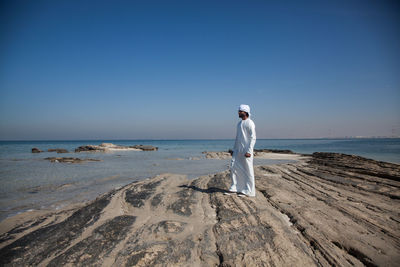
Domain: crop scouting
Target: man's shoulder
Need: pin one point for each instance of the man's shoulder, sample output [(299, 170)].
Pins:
[(247, 122), (250, 121)]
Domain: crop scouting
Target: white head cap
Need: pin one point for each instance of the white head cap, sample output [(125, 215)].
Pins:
[(245, 108)]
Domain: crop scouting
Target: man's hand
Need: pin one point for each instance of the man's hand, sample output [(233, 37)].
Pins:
[(247, 155)]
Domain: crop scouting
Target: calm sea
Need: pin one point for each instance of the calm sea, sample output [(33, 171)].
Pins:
[(29, 182)]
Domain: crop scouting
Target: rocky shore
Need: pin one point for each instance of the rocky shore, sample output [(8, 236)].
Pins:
[(104, 147), (107, 147), (326, 209)]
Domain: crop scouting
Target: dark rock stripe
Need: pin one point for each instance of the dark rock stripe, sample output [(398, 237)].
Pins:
[(102, 241), (138, 194), (36, 246)]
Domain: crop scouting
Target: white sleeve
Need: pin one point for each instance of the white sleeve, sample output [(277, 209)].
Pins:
[(252, 135)]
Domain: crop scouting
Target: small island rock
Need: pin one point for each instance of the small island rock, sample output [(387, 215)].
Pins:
[(36, 150), (89, 148), (106, 147)]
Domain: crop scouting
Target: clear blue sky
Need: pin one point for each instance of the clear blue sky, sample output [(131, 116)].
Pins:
[(179, 69)]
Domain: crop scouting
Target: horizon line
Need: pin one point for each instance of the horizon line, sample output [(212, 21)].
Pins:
[(201, 139)]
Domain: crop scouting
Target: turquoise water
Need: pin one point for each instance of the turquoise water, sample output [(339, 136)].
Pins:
[(30, 182)]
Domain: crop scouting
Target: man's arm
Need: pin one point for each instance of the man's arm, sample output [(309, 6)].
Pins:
[(252, 136)]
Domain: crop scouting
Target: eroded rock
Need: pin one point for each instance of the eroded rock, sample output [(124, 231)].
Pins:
[(37, 246), (91, 250), (137, 195), (325, 210)]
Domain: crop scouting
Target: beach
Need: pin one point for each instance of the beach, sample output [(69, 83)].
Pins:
[(39, 181), (322, 209), (124, 123)]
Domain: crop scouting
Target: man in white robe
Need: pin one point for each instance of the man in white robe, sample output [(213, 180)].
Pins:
[(242, 171)]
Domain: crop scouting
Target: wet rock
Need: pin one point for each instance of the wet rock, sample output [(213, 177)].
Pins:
[(36, 150), (90, 148), (281, 151), (145, 147)]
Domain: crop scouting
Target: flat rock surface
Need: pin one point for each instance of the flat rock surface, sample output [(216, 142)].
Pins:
[(324, 210)]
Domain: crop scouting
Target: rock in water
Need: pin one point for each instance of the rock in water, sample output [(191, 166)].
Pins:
[(104, 147), (145, 148), (325, 210), (283, 151), (90, 148), (36, 150)]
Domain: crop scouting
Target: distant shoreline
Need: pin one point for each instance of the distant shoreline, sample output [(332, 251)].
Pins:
[(222, 139)]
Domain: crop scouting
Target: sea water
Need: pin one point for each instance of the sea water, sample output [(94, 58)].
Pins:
[(28, 181)]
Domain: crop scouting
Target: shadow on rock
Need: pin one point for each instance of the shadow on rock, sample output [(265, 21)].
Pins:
[(210, 190)]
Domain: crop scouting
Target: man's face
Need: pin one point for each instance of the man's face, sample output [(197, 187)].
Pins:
[(242, 114)]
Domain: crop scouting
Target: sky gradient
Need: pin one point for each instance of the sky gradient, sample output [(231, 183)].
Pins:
[(179, 69)]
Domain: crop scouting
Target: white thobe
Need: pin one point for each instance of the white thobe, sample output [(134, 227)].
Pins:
[(242, 172)]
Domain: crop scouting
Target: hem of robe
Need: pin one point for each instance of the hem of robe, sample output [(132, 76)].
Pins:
[(244, 192)]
